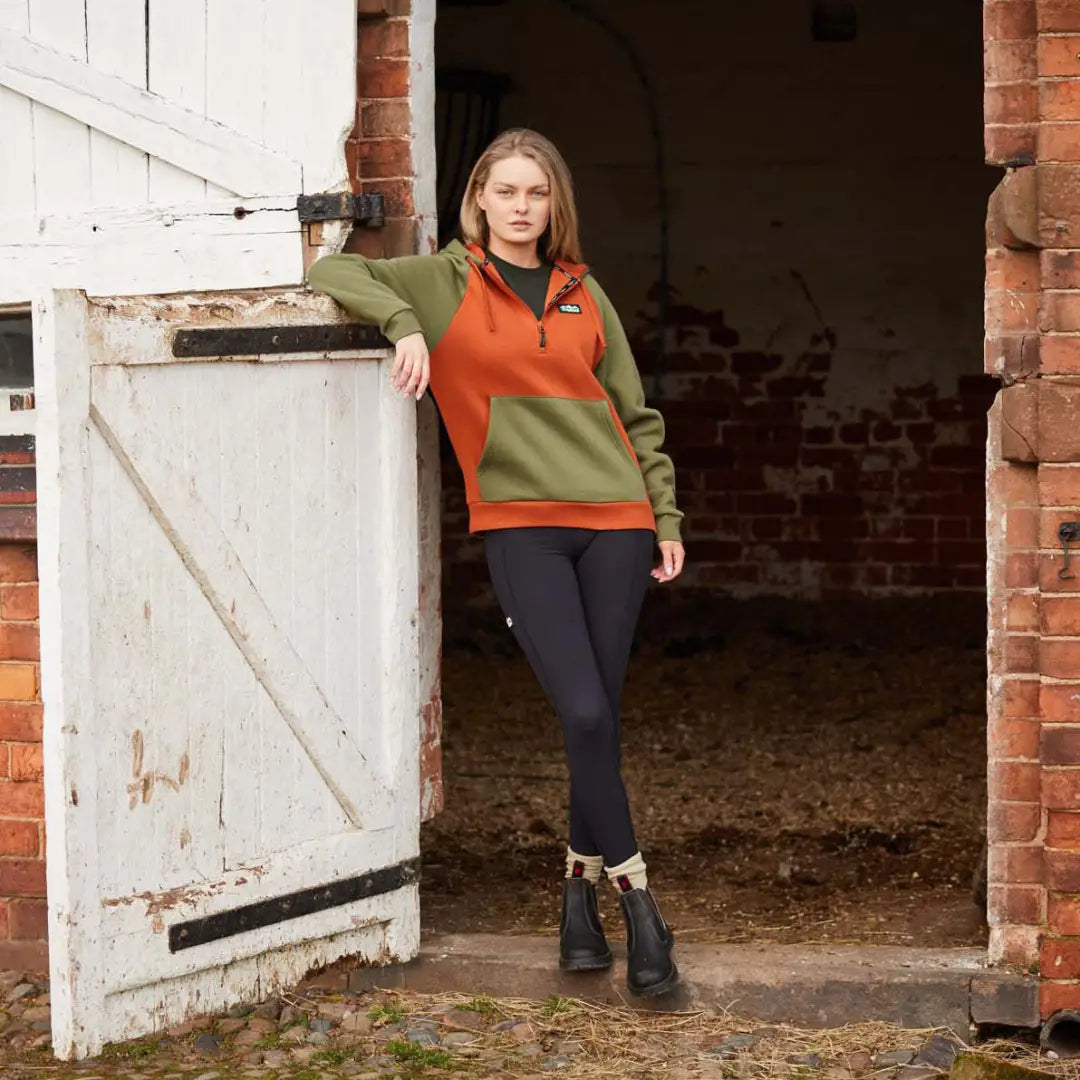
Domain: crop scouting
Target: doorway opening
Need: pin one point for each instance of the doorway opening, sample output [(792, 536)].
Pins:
[(786, 204)]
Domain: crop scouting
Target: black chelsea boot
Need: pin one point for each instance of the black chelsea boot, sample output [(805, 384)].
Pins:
[(582, 945), (650, 970)]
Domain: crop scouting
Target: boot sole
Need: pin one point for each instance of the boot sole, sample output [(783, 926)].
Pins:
[(658, 988), (596, 963)]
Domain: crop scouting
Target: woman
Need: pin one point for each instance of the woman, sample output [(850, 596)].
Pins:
[(564, 478)]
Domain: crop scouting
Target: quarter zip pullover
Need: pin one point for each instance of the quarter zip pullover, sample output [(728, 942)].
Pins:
[(546, 415)]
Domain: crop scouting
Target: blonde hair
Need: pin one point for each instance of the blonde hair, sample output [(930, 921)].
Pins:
[(560, 239)]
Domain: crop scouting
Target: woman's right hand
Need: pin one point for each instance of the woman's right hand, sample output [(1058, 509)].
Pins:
[(411, 370)]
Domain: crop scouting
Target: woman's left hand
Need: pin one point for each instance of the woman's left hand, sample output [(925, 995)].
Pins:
[(673, 557)]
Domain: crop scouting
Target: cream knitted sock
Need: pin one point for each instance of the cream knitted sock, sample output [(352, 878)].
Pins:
[(629, 875), (590, 867)]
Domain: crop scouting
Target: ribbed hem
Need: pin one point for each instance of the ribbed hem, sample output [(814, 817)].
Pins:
[(572, 515)]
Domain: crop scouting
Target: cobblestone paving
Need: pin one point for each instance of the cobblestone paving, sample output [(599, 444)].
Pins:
[(324, 1032)]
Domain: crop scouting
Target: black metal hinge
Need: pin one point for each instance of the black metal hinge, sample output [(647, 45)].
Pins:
[(366, 209), (186, 935), (259, 340)]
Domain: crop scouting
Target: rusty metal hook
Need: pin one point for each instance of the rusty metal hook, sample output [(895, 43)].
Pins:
[(1068, 533)]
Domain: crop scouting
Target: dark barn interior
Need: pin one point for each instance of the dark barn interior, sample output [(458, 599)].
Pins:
[(786, 203)]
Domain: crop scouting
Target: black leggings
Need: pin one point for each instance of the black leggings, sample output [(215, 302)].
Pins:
[(572, 598)]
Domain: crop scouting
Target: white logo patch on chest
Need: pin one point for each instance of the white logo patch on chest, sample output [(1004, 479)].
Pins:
[(570, 309)]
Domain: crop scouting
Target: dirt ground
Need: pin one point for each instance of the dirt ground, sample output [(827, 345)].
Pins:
[(798, 773)]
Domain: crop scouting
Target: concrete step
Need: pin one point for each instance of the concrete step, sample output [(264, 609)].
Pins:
[(806, 985)]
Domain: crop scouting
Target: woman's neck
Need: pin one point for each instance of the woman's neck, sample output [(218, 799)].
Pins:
[(523, 255)]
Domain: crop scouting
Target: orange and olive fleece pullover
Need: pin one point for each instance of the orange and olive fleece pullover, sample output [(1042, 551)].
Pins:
[(546, 416)]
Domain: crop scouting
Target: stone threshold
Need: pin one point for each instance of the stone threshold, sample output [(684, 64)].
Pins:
[(806, 985)]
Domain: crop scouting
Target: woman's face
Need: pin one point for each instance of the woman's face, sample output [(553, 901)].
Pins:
[(517, 201)]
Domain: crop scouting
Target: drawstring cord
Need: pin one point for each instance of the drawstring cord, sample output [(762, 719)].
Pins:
[(597, 319), (484, 286)]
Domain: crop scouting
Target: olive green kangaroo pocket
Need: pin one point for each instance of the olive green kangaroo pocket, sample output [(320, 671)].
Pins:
[(550, 449)]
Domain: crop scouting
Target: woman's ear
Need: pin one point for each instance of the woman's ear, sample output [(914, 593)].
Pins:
[(480, 199)]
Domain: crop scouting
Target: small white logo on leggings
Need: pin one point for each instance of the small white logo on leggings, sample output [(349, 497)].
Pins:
[(509, 621)]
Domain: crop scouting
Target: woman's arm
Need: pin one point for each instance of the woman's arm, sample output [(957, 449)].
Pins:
[(409, 295), (618, 374)]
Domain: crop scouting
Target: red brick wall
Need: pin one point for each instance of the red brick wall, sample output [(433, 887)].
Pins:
[(823, 386), (22, 805)]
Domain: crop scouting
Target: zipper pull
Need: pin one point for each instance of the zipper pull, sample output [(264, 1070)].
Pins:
[(543, 336)]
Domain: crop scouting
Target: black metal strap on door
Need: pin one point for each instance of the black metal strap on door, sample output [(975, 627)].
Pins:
[(187, 935), (254, 340)]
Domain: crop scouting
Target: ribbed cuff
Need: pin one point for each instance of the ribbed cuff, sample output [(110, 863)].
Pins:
[(668, 528), (401, 324)]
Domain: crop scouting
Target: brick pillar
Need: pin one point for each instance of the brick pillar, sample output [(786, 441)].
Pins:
[(1016, 894), (1032, 321), (379, 150)]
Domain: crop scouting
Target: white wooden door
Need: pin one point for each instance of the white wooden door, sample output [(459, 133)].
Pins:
[(160, 145), (228, 549)]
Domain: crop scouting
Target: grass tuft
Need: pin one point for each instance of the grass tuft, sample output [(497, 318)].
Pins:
[(131, 1051), (386, 1014), (330, 1057), (484, 1005), (419, 1057), (556, 1005)]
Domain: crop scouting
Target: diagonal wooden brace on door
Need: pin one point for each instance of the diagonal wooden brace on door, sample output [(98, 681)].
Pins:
[(212, 562), (144, 120)]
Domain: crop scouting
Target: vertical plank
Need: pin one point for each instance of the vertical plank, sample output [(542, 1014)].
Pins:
[(368, 418), (17, 175), (305, 403), (158, 823), (428, 499), (218, 693), (350, 581), (67, 686), (15, 15), (234, 49), (177, 71), (282, 463), (324, 66), (282, 69), (422, 116), (116, 44), (17, 125), (61, 145), (398, 563), (241, 808), (122, 631)]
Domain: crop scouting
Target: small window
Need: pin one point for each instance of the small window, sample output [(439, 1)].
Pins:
[(16, 351)]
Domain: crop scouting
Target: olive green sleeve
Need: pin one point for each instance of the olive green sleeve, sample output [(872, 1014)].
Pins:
[(618, 374), (400, 296)]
